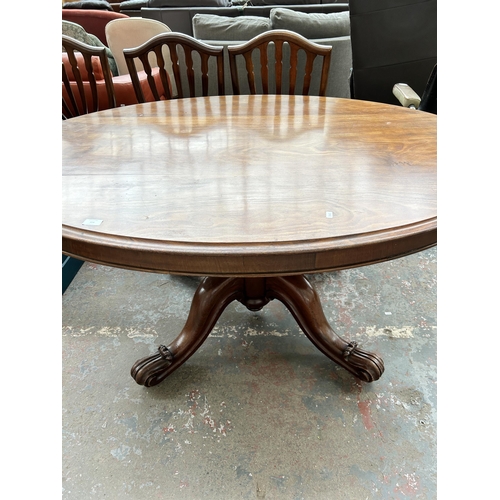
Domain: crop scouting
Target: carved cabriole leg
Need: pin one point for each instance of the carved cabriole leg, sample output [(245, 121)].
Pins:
[(210, 299), (300, 298)]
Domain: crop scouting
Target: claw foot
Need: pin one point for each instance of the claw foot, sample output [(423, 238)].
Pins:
[(365, 365), (153, 369)]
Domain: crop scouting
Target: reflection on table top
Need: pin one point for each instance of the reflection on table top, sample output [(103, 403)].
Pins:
[(249, 184)]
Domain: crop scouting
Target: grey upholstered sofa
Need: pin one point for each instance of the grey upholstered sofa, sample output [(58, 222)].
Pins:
[(325, 29), (178, 14), (184, 16)]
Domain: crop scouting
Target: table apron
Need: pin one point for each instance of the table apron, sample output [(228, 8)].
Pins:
[(248, 264)]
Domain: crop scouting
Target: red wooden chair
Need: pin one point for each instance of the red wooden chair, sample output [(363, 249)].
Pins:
[(88, 68)]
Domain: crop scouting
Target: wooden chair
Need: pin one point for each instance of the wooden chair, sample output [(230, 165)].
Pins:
[(187, 73), (81, 94), (286, 84)]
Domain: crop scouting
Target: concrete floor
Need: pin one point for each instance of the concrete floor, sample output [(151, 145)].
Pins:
[(257, 412)]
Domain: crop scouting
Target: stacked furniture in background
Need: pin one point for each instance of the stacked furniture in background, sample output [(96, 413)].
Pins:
[(178, 14), (393, 41), (123, 89)]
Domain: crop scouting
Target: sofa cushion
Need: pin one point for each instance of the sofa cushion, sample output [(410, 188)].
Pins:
[(89, 4), (289, 2), (133, 5), (212, 27), (257, 3), (313, 25), (124, 90), (196, 3)]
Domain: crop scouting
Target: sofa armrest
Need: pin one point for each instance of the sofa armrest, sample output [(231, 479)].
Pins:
[(406, 95)]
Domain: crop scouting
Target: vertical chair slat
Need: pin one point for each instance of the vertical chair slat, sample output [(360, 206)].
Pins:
[(78, 78), (250, 72), (188, 57), (204, 74), (135, 80), (176, 68), (149, 74), (93, 85), (278, 66), (294, 60), (67, 112), (308, 73)]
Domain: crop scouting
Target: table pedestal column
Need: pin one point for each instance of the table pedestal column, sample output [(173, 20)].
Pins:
[(295, 292)]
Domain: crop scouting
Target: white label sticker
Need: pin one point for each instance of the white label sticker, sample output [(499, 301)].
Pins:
[(92, 222), (329, 215)]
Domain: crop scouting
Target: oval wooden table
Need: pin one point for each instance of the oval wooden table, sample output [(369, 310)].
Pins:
[(250, 192)]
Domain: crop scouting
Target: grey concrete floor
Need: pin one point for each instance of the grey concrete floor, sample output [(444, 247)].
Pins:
[(257, 411)]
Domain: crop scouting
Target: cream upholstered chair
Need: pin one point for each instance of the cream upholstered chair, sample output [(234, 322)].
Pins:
[(131, 32)]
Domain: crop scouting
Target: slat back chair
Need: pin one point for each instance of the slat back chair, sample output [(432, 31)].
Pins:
[(187, 72), (77, 102), (284, 41)]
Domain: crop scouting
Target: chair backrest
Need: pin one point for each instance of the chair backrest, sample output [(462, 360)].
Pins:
[(288, 47), (85, 63), (131, 32), (192, 62)]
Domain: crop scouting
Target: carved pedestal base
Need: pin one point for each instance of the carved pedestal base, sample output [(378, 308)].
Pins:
[(212, 297)]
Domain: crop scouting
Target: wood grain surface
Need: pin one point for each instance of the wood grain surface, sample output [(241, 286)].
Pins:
[(261, 185)]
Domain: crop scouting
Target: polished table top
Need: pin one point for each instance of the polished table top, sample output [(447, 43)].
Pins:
[(260, 185)]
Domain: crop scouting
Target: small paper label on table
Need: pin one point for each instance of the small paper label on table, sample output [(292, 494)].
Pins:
[(92, 222)]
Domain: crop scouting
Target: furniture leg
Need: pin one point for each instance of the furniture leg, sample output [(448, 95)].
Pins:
[(210, 299), (295, 292), (300, 298)]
